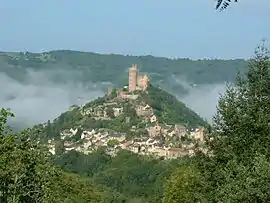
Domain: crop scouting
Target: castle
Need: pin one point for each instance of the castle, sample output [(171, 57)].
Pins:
[(136, 81)]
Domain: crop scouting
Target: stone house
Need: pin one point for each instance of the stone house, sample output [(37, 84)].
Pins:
[(176, 152), (153, 119), (180, 130), (199, 134), (154, 130), (144, 110), (117, 111)]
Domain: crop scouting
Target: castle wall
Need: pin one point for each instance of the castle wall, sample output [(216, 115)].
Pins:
[(142, 82)]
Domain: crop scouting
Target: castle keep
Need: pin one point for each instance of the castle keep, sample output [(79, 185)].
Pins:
[(132, 78), (136, 81)]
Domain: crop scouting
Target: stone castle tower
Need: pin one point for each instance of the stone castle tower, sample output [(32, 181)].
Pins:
[(132, 78)]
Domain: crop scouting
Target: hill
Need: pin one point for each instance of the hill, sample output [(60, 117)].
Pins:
[(128, 120), (87, 67)]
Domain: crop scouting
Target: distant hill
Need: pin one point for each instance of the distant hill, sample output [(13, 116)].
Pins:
[(171, 75)]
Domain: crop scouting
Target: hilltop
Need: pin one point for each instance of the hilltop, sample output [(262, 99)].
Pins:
[(139, 117), (88, 67)]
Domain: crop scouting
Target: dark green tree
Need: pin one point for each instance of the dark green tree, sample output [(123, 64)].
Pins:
[(110, 112), (112, 143), (236, 168), (25, 172), (114, 93), (243, 114), (59, 147), (186, 185), (240, 140)]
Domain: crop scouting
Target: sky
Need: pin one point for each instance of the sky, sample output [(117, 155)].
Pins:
[(171, 28)]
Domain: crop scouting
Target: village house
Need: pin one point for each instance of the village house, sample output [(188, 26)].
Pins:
[(117, 111), (176, 152), (180, 130), (154, 130), (199, 134), (153, 119)]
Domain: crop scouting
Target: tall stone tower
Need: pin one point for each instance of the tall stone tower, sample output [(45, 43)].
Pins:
[(132, 78)]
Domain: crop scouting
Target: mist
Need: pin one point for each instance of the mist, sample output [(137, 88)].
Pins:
[(39, 97), (203, 99)]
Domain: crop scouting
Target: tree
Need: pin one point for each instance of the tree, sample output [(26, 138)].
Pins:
[(243, 114), (110, 112), (59, 147), (114, 93), (244, 183), (237, 170), (112, 143), (223, 4), (25, 172), (186, 185)]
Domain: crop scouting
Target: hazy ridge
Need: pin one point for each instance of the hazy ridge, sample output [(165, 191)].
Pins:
[(40, 86)]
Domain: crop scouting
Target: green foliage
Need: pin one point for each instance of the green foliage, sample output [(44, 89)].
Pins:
[(67, 119), (110, 112), (4, 114), (238, 168), (112, 143), (96, 102), (169, 110), (135, 176), (113, 93), (186, 185), (75, 189), (77, 135), (87, 165), (59, 147), (243, 113), (244, 183), (25, 172), (27, 175), (241, 136)]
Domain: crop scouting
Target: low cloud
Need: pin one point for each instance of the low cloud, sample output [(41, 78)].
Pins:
[(203, 99), (40, 98)]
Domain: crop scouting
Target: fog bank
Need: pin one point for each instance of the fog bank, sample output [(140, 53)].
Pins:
[(203, 99), (39, 99)]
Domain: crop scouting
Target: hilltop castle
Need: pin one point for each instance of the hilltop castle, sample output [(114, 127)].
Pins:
[(136, 81)]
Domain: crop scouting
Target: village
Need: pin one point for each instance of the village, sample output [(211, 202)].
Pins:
[(159, 140), (148, 145)]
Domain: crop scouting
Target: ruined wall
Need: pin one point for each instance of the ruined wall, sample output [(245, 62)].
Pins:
[(143, 81)]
